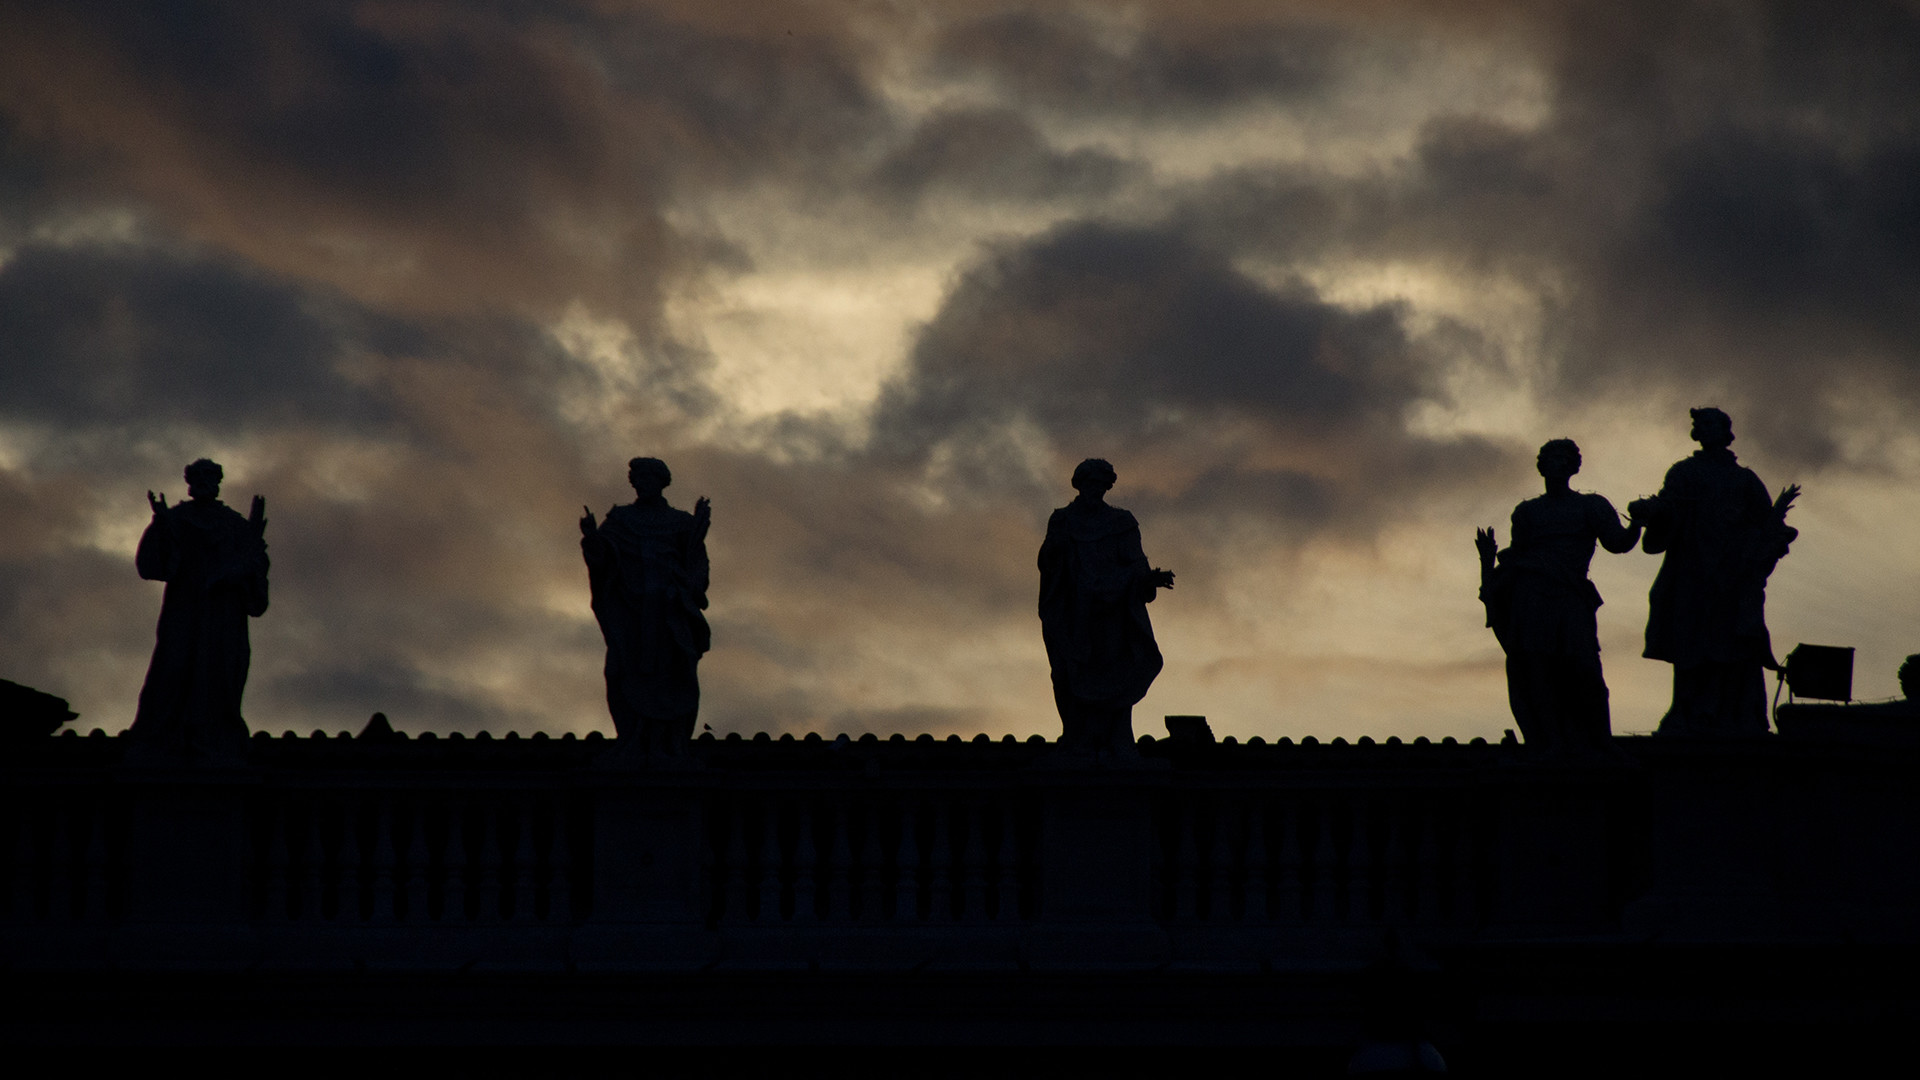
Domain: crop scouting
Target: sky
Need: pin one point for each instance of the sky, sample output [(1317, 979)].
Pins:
[(1318, 278)]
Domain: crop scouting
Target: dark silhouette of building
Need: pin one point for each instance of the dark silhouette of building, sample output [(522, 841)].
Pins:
[(1742, 900)]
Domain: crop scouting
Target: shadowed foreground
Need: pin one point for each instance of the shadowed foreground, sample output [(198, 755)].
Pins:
[(1684, 895)]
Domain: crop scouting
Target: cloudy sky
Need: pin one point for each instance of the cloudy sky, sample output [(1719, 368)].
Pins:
[(1317, 278)]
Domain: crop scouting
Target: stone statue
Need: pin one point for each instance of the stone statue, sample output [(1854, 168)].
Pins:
[(647, 566), (1541, 605), (215, 565), (1095, 585), (1707, 611)]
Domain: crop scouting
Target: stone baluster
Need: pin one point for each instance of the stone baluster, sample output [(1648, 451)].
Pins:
[(491, 895), (1291, 837), (1254, 908), (526, 862), (313, 867), (414, 893), (1326, 864), (1426, 892), (21, 896), (940, 856), (1186, 864), (279, 864), (560, 869), (873, 870), (1360, 869), (1465, 901), (347, 908), (973, 864), (1007, 867), (60, 893), (96, 864), (906, 867), (383, 858), (735, 891), (770, 863), (840, 865), (453, 864), (1217, 870), (805, 886), (1395, 895)]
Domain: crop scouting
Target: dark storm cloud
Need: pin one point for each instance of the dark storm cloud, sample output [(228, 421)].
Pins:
[(1055, 58), (1722, 200), (1140, 341), (996, 154), (130, 337), (439, 158)]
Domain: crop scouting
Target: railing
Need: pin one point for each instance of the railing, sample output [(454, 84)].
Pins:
[(66, 859), (418, 854), (769, 852), (810, 857), (1323, 857)]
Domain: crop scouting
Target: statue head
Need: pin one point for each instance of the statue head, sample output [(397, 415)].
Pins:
[(1712, 428), (203, 479), (1558, 457), (1910, 678), (1094, 476), (649, 476)]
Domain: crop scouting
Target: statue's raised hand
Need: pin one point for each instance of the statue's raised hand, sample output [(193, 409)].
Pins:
[(1483, 540), (157, 502), (257, 517), (702, 514), (588, 526), (1785, 502), (1161, 579)]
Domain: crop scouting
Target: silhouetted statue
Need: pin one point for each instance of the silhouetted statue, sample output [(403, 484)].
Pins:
[(1707, 611), (1541, 605), (1095, 585), (215, 565), (647, 566)]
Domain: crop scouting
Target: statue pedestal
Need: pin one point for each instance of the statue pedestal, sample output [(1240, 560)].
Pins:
[(1096, 903), (186, 893), (648, 825)]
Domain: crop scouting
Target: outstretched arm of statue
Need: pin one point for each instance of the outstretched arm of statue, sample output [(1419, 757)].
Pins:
[(1161, 579), (258, 516), (157, 502), (1488, 546), (1651, 513), (588, 526), (702, 515), (1612, 535)]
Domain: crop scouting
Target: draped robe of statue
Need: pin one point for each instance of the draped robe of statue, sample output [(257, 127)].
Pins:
[(1095, 585), (214, 562), (1707, 611), (1542, 607), (647, 566)]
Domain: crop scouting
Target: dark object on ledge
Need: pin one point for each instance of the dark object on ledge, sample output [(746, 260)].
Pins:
[(1820, 671), (379, 730), (1879, 723), (1189, 729), (27, 714)]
